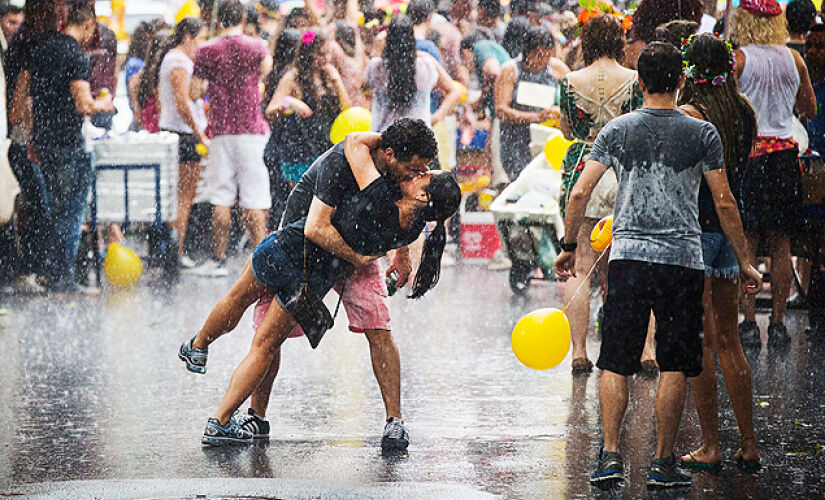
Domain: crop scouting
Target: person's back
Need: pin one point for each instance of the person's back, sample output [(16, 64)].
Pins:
[(770, 80), (232, 64), (57, 62), (659, 156)]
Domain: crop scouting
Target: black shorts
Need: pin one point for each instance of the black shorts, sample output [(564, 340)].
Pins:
[(674, 294), (772, 193), (187, 144)]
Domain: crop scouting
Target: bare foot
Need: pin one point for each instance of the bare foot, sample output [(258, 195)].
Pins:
[(703, 456)]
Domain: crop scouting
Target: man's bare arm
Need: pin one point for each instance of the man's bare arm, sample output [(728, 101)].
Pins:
[(319, 229)]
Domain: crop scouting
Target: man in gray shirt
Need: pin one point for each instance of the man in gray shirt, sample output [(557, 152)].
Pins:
[(659, 156)]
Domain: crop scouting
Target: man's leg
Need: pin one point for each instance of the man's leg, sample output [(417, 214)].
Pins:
[(670, 400), (386, 364), (260, 397), (613, 395), (221, 218), (255, 222), (749, 301), (781, 273)]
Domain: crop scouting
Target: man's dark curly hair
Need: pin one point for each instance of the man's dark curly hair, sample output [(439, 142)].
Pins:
[(651, 13), (408, 137)]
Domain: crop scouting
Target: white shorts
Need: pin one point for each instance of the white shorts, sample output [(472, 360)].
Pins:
[(235, 171)]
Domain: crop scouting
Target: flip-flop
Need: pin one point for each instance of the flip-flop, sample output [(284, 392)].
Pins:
[(746, 465), (695, 464)]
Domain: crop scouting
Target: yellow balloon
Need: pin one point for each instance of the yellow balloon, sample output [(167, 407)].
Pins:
[(541, 339), (602, 235), (555, 149), (463, 97), (122, 266), (190, 8), (354, 119)]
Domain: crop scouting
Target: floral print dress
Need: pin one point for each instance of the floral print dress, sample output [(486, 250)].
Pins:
[(586, 117)]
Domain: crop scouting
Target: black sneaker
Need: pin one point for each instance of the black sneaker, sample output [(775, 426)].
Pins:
[(663, 472), (749, 334), (252, 423), (395, 436), (609, 466), (216, 434), (797, 302), (778, 334)]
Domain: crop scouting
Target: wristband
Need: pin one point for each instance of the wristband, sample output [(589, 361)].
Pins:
[(567, 247)]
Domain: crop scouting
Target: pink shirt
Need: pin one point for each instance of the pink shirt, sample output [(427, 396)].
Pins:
[(232, 64)]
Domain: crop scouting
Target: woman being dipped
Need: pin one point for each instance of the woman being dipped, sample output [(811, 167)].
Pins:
[(591, 97), (711, 93), (307, 100), (180, 115), (371, 222)]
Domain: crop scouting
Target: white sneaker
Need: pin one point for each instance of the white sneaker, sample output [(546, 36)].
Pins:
[(185, 262), (212, 268), (499, 262), (28, 284)]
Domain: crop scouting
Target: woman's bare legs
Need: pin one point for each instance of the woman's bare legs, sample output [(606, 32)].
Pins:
[(578, 309), (721, 337), (228, 311), (275, 328), (189, 173), (260, 397)]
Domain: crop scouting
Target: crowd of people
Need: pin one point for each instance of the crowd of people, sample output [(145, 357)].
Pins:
[(663, 113)]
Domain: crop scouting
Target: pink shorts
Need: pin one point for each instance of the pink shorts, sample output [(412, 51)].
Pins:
[(364, 299)]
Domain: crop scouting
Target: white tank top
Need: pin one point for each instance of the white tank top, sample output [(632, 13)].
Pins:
[(771, 81)]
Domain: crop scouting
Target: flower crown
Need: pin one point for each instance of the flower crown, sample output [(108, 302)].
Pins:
[(592, 8), (697, 77)]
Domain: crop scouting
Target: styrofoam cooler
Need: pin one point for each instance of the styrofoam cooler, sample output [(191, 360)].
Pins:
[(479, 236), (137, 148)]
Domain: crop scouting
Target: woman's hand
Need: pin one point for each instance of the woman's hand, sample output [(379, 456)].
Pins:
[(299, 106)]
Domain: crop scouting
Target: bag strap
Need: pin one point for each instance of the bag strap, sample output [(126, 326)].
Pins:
[(306, 281)]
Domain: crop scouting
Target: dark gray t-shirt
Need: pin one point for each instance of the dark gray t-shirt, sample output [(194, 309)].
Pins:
[(659, 156)]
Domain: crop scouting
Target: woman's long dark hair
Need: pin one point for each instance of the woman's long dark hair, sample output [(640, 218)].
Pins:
[(305, 66), (724, 105), (445, 196), (399, 58), (282, 56), (345, 36), (140, 40), (149, 76)]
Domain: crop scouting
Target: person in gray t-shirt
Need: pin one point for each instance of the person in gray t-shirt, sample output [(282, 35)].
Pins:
[(660, 157)]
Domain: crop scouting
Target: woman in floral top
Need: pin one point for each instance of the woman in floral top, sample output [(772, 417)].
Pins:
[(590, 98)]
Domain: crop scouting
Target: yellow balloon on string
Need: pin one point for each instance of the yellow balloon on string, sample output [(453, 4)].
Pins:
[(554, 150), (123, 268), (354, 119), (541, 339)]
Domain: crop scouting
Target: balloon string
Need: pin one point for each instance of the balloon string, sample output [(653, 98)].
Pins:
[(564, 309)]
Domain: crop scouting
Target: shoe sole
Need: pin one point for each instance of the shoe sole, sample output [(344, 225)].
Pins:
[(223, 441), (395, 444), (191, 366), (608, 477), (657, 483)]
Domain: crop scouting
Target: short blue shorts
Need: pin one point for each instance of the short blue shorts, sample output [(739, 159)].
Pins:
[(273, 268), (720, 261)]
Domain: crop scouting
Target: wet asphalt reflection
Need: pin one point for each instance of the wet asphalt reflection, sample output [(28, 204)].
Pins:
[(91, 389)]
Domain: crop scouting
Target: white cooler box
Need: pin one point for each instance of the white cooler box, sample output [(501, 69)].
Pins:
[(136, 148)]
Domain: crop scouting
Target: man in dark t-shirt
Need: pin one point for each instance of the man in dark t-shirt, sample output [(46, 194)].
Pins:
[(403, 150), (58, 76)]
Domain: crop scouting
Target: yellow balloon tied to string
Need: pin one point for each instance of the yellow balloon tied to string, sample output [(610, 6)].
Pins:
[(554, 150), (602, 235), (123, 268), (541, 339), (354, 119), (190, 8)]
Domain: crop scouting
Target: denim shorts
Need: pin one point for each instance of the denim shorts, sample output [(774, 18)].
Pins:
[(273, 269), (720, 261)]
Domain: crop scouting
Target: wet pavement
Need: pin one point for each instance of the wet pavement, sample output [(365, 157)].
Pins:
[(93, 395)]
